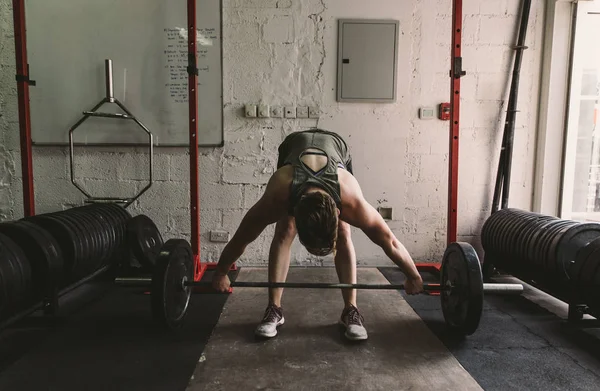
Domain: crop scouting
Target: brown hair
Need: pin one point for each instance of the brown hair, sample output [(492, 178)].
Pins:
[(317, 223)]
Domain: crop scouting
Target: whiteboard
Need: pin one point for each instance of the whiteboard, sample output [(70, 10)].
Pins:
[(68, 42)]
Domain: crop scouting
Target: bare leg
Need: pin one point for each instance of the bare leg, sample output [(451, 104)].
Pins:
[(345, 262), (279, 256)]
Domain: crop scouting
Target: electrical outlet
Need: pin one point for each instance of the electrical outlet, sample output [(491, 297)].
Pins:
[(276, 111), (250, 110), (302, 112), (219, 236), (386, 213), (314, 112), (290, 112), (264, 111)]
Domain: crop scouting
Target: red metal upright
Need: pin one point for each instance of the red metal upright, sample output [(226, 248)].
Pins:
[(456, 73), (193, 128), (23, 82)]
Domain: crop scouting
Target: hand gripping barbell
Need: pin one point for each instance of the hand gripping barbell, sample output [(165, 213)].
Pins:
[(461, 287)]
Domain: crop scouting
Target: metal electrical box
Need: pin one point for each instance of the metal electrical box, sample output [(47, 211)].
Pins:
[(367, 59)]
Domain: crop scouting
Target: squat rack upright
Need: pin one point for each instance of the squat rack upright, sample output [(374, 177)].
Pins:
[(24, 81)]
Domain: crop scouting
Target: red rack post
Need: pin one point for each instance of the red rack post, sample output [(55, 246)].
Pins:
[(23, 82), (193, 127), (456, 73)]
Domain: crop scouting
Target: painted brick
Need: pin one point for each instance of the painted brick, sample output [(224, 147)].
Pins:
[(247, 33), (209, 168), (497, 30), (96, 165), (491, 88), (173, 194), (471, 29), (50, 163), (492, 7), (433, 168), (222, 196), (135, 167), (253, 3), (252, 193), (250, 171), (279, 29), (51, 194), (417, 195)]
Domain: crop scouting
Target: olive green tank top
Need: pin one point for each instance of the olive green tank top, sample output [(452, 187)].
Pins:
[(330, 145)]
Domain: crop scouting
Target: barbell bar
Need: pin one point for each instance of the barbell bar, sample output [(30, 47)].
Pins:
[(487, 287), (461, 286)]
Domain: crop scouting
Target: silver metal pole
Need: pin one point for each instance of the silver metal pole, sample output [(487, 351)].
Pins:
[(110, 95)]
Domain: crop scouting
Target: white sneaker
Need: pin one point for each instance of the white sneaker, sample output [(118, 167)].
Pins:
[(353, 321), (272, 319)]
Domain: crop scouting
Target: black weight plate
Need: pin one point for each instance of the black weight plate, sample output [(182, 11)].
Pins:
[(584, 262), (462, 306), (111, 224), (9, 280), (121, 235), (529, 235), (532, 225), (550, 249), (144, 239), (499, 231), (518, 232), (90, 230), (123, 217), (170, 298), (486, 229), (82, 244), (104, 232), (23, 266), (535, 242), (589, 267), (572, 240), (43, 253), (506, 243), (544, 242), (65, 237)]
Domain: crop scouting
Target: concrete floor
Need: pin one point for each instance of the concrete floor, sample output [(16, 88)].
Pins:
[(310, 352)]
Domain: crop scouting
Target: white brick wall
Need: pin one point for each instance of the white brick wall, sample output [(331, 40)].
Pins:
[(284, 52)]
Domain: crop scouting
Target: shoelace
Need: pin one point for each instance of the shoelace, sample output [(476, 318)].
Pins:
[(271, 314), (354, 317)]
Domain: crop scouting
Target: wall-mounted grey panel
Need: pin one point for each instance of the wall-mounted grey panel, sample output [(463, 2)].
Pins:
[(68, 42), (367, 59)]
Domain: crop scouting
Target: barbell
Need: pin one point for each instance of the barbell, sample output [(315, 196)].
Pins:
[(461, 287)]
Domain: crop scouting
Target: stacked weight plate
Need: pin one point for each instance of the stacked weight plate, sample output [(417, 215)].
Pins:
[(536, 247), (90, 236), (585, 273), (39, 255), (15, 278)]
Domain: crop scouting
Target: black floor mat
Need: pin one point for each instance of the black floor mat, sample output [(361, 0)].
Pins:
[(110, 344), (518, 345)]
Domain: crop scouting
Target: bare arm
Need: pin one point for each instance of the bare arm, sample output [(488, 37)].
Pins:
[(363, 215), (269, 209)]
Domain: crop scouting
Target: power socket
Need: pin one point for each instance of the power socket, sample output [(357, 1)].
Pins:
[(314, 112), (264, 111), (276, 111), (290, 112), (302, 112), (250, 110), (219, 236)]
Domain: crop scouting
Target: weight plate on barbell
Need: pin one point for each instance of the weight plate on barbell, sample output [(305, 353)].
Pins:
[(587, 259), (82, 242), (463, 305), (170, 297), (549, 249), (10, 281), (43, 252), (23, 267), (66, 238), (572, 240), (535, 241), (145, 240)]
